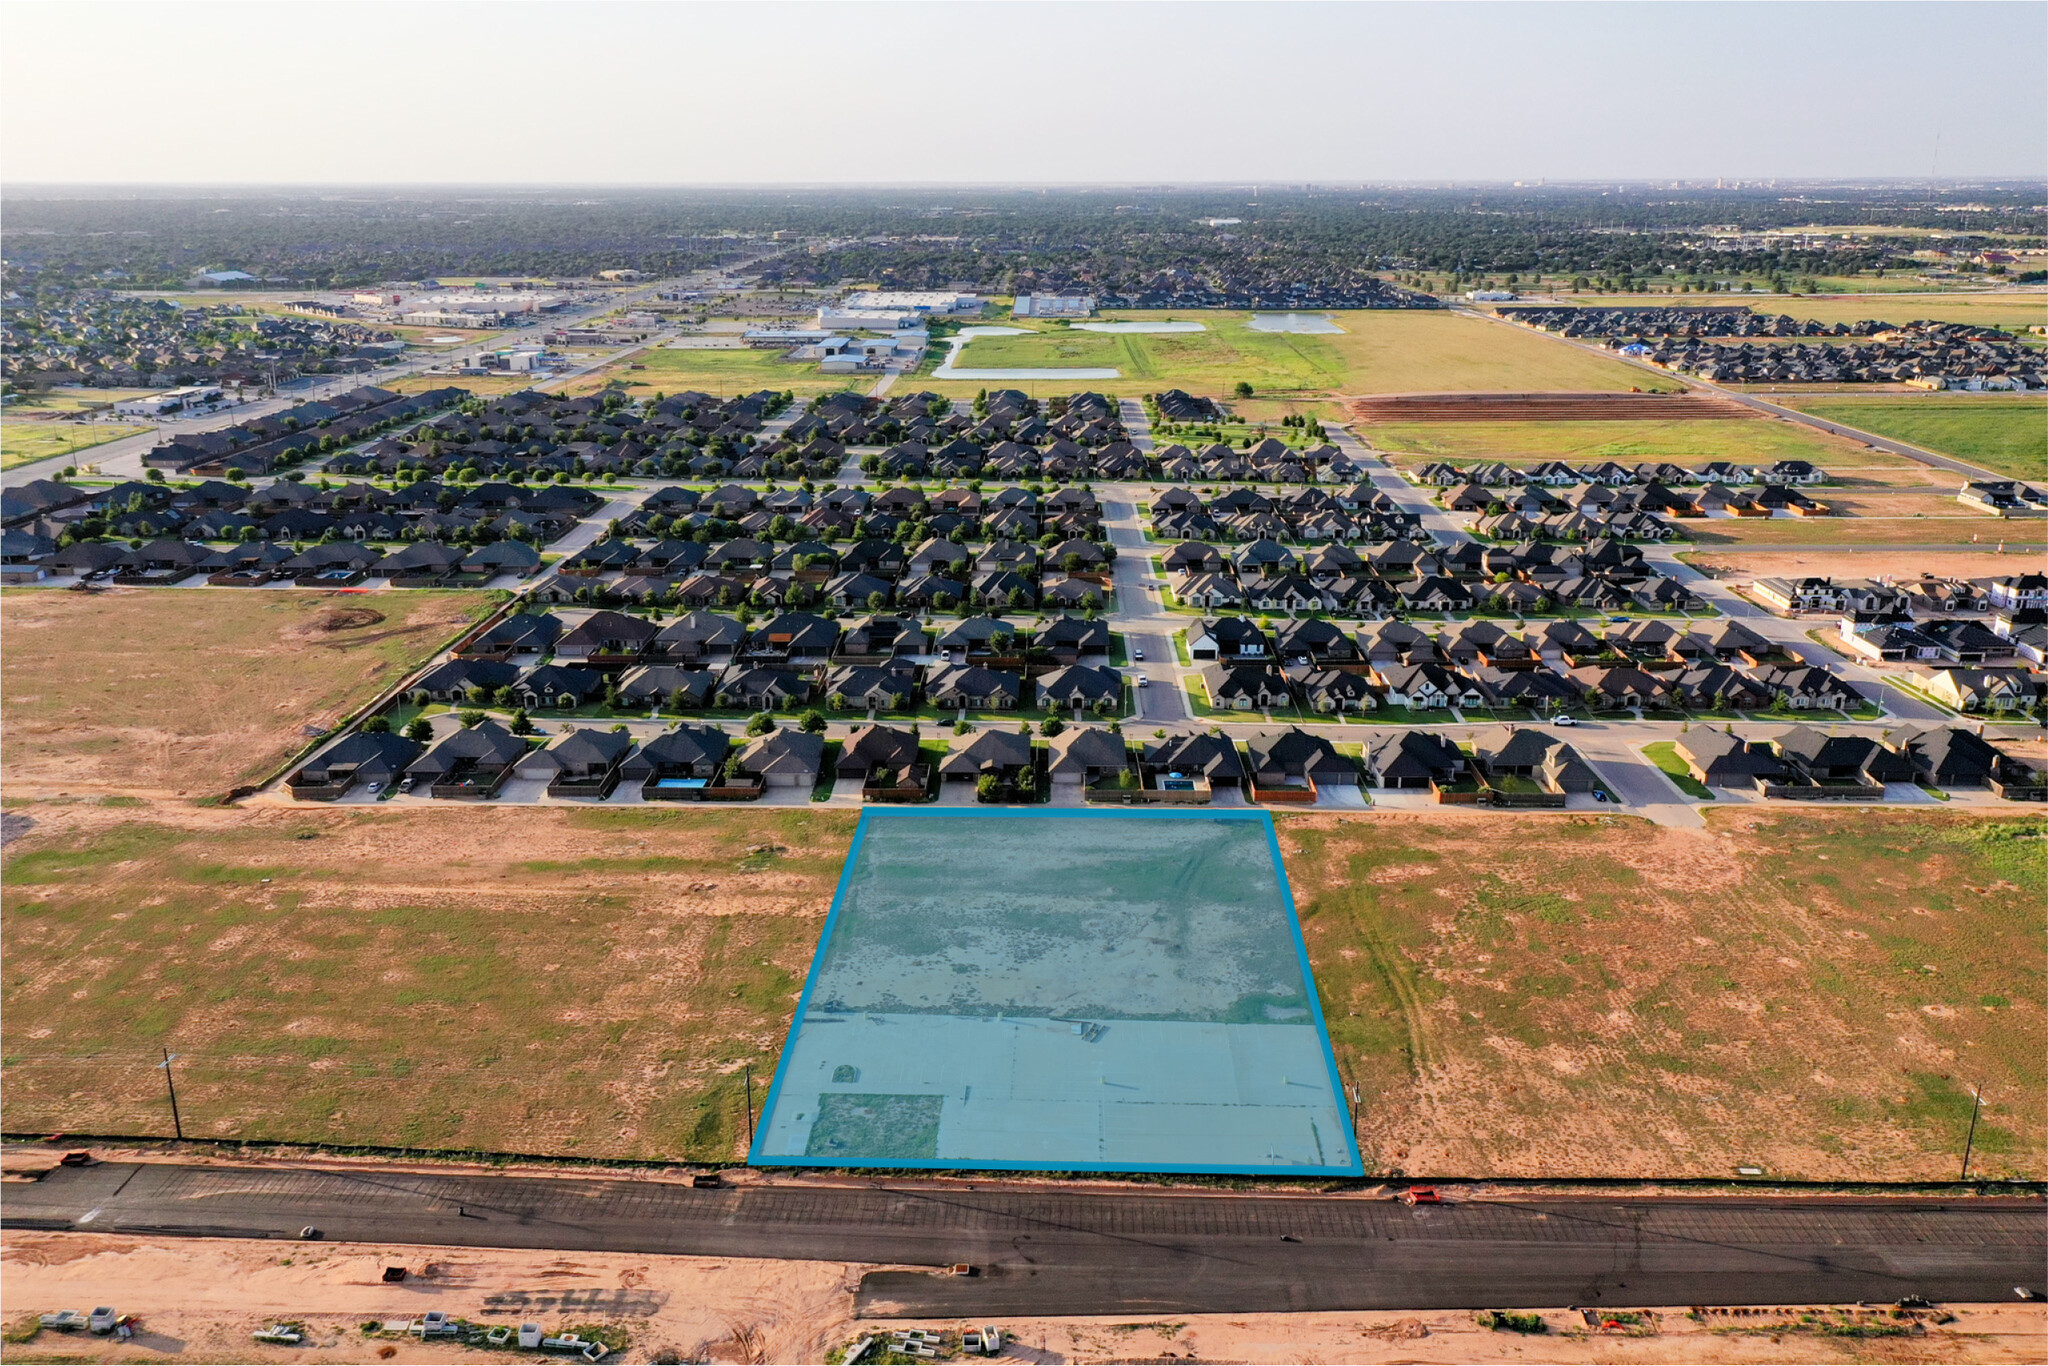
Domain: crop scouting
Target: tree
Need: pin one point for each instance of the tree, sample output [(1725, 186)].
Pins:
[(522, 724), (760, 723), (985, 787), (377, 725), (469, 718), (962, 728), (1051, 725), (1242, 389), (812, 721), (421, 731)]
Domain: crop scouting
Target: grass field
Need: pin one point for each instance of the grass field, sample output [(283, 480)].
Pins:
[(154, 691), (580, 983), (1516, 996), (1750, 441), (24, 441), (1380, 351), (724, 373), (1812, 993), (66, 399), (2006, 310), (1866, 525), (2001, 433)]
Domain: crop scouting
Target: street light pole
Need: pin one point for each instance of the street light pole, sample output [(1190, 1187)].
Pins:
[(1976, 1105), (177, 1125)]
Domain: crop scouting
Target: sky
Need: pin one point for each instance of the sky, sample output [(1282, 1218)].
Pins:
[(546, 92)]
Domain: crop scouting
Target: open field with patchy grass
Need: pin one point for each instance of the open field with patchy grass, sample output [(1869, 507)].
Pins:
[(1516, 996), (23, 441), (1900, 301), (583, 983), (71, 398), (1866, 525), (476, 384), (149, 692), (1813, 993), (2008, 310), (2006, 434), (1748, 440), (1734, 562), (1379, 351), (724, 373)]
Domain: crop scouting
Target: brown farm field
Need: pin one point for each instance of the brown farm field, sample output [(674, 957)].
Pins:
[(1812, 993), (1516, 996), (151, 692)]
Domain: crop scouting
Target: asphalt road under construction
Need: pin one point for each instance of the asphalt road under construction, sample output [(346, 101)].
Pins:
[(1039, 1251)]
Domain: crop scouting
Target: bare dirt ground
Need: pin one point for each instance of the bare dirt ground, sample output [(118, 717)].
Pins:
[(1811, 992), (158, 692), (1515, 996), (201, 1301), (533, 980), (1863, 564)]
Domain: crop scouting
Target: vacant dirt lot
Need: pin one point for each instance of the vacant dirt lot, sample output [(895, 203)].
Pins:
[(200, 1300), (1520, 996), (154, 692), (1811, 993), (1855, 563), (519, 980)]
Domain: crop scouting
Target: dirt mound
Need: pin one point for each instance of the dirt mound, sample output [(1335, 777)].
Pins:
[(345, 619), (1543, 408)]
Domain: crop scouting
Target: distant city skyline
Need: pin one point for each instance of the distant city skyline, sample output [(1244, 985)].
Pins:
[(569, 93)]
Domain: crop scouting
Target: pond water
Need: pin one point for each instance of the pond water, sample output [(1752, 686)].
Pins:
[(1293, 322), (947, 370), (1141, 327)]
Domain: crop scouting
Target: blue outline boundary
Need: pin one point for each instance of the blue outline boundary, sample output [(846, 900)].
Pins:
[(1357, 1163)]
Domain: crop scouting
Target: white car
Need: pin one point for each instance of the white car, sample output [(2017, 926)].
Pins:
[(1137, 654), (1564, 721), (1144, 682)]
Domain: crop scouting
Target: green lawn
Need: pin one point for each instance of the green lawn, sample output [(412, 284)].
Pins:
[(1664, 754), (2008, 434), (1750, 441)]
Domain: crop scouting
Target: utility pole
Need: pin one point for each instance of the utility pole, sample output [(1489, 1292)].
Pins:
[(178, 1126), (1976, 1104), (750, 1108)]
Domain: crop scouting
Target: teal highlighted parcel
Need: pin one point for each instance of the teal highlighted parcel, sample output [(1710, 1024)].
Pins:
[(1061, 991)]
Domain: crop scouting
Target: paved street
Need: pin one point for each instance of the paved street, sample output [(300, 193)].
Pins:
[(1049, 1251)]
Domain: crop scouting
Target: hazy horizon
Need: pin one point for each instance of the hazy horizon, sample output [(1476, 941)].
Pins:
[(913, 95)]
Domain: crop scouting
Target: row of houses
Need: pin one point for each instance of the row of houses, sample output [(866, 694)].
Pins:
[(701, 659), (262, 445), (475, 762), (293, 510), (1936, 356), (1890, 599), (1559, 474), (1530, 578), (1733, 320), (1806, 764), (533, 435), (1312, 514), (1089, 420)]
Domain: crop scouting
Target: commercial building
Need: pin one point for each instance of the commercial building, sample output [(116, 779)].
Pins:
[(1053, 305), (170, 401), (936, 302)]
